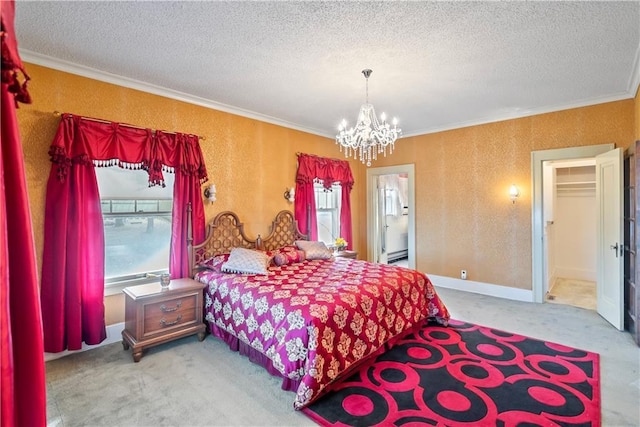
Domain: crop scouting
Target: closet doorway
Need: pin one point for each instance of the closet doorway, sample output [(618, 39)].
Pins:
[(609, 265), (390, 215), (570, 234)]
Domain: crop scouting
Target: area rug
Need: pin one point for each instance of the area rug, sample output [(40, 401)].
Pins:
[(468, 375)]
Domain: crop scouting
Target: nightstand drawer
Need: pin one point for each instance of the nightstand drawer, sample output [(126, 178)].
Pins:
[(168, 314)]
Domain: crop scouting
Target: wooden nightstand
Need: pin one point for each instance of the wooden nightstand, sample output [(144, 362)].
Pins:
[(346, 254), (154, 315)]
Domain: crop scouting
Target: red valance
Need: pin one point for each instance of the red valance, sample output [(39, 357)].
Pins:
[(313, 169), (84, 140)]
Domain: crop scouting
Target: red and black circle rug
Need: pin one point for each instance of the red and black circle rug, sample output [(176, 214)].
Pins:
[(467, 375)]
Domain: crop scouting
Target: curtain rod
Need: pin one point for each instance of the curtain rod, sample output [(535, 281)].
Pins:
[(58, 114), (346, 159)]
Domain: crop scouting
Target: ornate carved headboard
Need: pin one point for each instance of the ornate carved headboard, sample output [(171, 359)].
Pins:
[(284, 231), (226, 232)]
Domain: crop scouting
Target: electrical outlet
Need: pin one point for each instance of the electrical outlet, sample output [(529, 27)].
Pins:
[(463, 274)]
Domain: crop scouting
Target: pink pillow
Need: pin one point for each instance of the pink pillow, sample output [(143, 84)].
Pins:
[(215, 262), (288, 255)]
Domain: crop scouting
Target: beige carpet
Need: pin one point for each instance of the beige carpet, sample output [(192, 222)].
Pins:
[(578, 293), (183, 383), (192, 383)]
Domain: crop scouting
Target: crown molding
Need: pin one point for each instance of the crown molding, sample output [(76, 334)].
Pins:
[(634, 78), (103, 76), (92, 73), (522, 113)]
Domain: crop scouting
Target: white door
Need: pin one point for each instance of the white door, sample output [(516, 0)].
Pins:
[(382, 224), (609, 288)]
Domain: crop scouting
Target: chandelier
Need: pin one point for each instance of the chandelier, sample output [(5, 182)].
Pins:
[(369, 137)]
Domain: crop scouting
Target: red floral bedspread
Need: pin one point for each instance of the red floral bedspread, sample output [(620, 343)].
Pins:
[(315, 319)]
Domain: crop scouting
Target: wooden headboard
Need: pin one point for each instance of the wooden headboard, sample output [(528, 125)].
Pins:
[(226, 232)]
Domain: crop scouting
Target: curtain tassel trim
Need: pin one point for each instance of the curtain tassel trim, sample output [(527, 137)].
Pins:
[(10, 74)]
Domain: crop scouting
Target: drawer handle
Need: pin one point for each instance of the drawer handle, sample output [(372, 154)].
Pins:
[(164, 308), (164, 323)]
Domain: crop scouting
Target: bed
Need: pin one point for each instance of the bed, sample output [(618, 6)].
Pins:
[(307, 321)]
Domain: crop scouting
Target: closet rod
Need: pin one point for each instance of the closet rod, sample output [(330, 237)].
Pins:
[(58, 114)]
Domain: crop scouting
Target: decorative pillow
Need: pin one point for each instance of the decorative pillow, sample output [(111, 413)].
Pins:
[(291, 255), (215, 262), (246, 261), (314, 250)]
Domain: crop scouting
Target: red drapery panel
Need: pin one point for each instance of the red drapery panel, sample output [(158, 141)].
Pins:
[(73, 260), (72, 291), (328, 171), (186, 189), (22, 393)]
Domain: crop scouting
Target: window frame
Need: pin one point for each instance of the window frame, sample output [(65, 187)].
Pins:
[(115, 285), (122, 184), (336, 190)]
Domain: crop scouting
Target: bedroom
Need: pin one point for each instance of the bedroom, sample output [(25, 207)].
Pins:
[(495, 248)]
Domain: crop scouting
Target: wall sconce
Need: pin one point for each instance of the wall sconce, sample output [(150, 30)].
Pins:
[(514, 193), (210, 193), (290, 194)]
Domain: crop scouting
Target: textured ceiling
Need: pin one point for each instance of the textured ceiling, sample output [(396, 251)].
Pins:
[(436, 65)]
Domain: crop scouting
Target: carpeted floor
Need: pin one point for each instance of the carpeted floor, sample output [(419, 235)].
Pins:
[(183, 383), (192, 383)]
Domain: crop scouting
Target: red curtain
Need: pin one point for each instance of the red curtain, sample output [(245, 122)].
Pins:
[(186, 189), (73, 259), (328, 171), (72, 291), (22, 392)]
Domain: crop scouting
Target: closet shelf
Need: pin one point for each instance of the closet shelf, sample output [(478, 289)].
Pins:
[(576, 186)]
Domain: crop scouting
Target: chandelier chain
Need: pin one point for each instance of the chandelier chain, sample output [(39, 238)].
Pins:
[(367, 90)]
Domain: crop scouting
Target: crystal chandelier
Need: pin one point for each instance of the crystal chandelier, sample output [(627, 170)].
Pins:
[(368, 137)]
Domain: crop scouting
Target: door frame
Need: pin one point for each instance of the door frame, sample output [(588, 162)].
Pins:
[(537, 210), (372, 174)]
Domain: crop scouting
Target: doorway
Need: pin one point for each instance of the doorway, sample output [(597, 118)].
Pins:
[(391, 217), (609, 266), (570, 232), (540, 278)]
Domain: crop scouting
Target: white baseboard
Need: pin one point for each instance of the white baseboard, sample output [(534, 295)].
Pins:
[(482, 288), (114, 334)]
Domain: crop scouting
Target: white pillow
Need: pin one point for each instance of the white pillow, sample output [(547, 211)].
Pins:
[(314, 250), (246, 261)]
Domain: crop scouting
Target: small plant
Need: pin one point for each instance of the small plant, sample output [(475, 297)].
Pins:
[(340, 243)]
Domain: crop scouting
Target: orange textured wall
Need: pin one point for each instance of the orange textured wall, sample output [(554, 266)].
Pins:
[(251, 162), (637, 114), (464, 217)]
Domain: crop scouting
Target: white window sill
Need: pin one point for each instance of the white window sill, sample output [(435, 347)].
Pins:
[(117, 287)]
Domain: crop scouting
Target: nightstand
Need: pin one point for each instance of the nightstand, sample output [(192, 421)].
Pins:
[(156, 315), (346, 254)]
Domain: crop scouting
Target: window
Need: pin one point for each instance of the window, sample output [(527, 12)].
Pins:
[(391, 207), (328, 212), (137, 225)]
